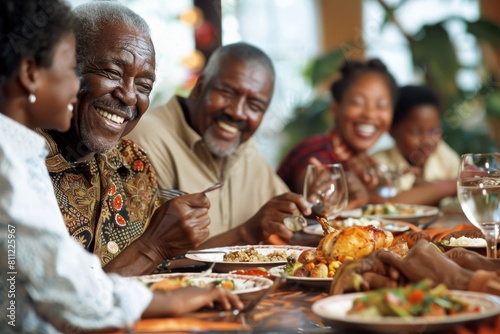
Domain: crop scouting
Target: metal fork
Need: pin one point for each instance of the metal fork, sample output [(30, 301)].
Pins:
[(172, 193), (169, 194)]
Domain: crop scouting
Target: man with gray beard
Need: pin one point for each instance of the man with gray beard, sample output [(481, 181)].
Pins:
[(206, 138)]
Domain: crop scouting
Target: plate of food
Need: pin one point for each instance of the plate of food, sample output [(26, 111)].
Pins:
[(413, 309), (477, 245), (468, 239), (241, 285), (317, 266), (396, 211), (465, 242), (322, 282), (243, 257), (387, 225)]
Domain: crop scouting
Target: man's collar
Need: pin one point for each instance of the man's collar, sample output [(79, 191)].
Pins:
[(57, 163)]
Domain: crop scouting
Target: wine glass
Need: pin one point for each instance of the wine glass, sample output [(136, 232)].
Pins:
[(325, 188), (388, 181), (479, 194)]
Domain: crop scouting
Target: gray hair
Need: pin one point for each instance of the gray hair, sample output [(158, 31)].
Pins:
[(91, 17), (242, 51)]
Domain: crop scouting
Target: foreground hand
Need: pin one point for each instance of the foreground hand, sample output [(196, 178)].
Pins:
[(269, 219), (471, 260), (178, 225), (425, 260), (365, 273), (184, 300)]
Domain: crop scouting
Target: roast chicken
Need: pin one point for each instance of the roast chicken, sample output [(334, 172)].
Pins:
[(338, 246), (354, 241)]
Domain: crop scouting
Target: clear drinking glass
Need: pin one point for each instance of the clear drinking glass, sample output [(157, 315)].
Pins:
[(479, 194), (325, 188), (388, 181)]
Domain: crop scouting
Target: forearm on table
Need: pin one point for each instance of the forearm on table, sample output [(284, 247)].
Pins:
[(427, 194), (160, 306), (136, 259)]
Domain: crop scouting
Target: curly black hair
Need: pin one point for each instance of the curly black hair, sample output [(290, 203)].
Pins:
[(350, 71), (31, 28), (412, 96)]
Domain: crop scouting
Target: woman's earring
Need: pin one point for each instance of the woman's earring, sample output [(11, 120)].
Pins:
[(32, 98), (70, 107)]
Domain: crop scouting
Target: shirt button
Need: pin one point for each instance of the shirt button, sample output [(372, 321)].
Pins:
[(112, 247)]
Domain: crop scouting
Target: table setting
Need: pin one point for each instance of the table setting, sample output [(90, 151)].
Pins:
[(300, 303), (276, 300)]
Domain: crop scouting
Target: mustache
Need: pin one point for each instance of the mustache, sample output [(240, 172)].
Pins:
[(115, 105), (228, 119)]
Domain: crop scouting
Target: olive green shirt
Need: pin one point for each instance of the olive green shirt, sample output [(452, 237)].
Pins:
[(183, 161)]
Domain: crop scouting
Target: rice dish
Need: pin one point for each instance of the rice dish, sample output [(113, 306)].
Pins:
[(467, 242)]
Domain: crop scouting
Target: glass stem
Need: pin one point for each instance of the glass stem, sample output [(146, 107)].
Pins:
[(491, 232)]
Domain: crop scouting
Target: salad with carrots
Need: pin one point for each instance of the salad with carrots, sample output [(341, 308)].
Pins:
[(414, 300)]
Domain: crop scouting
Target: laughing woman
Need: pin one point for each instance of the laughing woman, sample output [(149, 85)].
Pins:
[(54, 285), (363, 101)]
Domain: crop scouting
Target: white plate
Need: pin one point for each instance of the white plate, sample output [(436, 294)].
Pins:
[(244, 285), (315, 229), (391, 226), (421, 211), (395, 226), (478, 249), (224, 266), (333, 311), (309, 281)]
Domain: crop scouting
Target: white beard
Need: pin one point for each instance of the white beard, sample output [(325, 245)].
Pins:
[(220, 151)]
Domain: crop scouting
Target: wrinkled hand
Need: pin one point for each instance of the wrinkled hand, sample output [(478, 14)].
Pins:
[(269, 219), (366, 273), (425, 260), (471, 260), (184, 300), (178, 225)]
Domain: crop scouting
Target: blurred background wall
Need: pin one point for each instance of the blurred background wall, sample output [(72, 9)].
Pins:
[(450, 44)]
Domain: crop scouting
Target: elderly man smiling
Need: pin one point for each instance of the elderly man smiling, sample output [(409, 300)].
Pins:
[(105, 185), (206, 138)]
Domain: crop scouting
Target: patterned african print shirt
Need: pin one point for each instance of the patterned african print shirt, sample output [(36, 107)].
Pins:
[(106, 203)]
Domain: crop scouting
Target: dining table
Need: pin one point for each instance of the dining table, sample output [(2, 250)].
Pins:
[(288, 309)]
